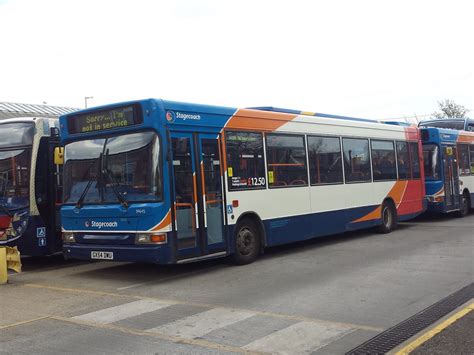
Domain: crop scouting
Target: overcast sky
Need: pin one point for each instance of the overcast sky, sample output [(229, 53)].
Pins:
[(374, 59)]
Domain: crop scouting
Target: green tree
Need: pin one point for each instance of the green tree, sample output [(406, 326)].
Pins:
[(449, 109)]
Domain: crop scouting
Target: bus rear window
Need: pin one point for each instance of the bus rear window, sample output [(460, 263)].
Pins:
[(431, 161), (245, 164)]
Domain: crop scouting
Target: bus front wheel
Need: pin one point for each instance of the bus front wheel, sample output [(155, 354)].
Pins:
[(246, 242), (389, 218)]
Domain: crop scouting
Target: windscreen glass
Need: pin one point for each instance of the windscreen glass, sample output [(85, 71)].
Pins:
[(16, 134), (112, 170), (14, 177)]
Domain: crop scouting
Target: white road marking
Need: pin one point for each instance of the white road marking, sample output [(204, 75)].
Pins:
[(299, 338), (132, 286), (202, 323), (127, 310)]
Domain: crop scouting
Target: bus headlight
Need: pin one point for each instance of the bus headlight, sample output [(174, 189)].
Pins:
[(68, 237), (151, 238)]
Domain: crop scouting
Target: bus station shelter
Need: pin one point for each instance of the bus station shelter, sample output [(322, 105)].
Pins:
[(13, 110)]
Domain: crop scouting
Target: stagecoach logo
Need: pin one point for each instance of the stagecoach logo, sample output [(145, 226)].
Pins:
[(170, 116), (188, 116), (100, 225)]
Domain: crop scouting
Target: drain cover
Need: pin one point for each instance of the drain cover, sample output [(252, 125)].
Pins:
[(392, 337)]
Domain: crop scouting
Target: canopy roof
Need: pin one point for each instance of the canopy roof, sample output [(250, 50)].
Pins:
[(12, 110)]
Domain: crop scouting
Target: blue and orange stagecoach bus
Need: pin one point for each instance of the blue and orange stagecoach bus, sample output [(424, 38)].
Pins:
[(449, 169), (168, 182)]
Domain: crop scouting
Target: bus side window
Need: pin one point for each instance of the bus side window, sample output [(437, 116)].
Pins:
[(286, 160), (356, 159), (245, 164), (383, 160), (415, 159), (403, 161), (471, 154), (463, 158), (325, 163)]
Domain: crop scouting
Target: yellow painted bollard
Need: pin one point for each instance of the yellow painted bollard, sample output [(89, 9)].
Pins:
[(13, 259), (9, 259), (3, 266)]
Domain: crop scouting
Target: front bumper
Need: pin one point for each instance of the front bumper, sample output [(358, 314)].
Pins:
[(156, 254)]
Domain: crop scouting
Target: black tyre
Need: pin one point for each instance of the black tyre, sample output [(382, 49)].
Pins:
[(246, 242), (389, 218), (464, 206)]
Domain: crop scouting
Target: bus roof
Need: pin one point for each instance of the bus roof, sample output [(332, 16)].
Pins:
[(445, 135), (306, 113), (462, 123), (188, 116)]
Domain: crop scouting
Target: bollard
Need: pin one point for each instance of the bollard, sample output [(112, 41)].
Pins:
[(9, 259), (3, 266), (13, 259)]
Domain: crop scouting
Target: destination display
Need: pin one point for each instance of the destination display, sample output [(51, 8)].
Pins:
[(105, 119)]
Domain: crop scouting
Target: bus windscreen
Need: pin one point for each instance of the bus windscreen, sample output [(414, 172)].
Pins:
[(16, 134)]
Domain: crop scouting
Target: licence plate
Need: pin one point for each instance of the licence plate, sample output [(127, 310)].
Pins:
[(102, 255)]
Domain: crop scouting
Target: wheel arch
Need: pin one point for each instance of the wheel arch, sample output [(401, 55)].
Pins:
[(392, 202), (254, 217)]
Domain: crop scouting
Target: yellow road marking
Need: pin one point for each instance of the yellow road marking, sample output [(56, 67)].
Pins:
[(174, 339), (204, 305), (23, 322), (428, 335)]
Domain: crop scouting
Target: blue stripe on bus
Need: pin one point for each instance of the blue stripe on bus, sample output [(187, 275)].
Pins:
[(278, 231)]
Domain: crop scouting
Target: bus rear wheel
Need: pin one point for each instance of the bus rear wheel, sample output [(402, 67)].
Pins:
[(389, 218), (464, 205), (246, 242)]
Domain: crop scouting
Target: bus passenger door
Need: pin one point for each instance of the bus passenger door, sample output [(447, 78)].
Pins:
[(197, 180), (185, 193), (211, 193), (451, 178)]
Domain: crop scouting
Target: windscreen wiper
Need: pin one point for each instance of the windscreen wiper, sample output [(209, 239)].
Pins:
[(114, 184), (80, 201)]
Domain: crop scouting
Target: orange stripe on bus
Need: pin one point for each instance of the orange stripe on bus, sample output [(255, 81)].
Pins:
[(268, 121), (195, 188), (465, 138), (166, 221), (203, 183), (396, 193), (375, 214)]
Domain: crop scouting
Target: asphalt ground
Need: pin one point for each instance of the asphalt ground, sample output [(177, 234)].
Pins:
[(324, 296), (457, 338)]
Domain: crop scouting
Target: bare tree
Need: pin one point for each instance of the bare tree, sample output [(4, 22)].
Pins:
[(449, 109)]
